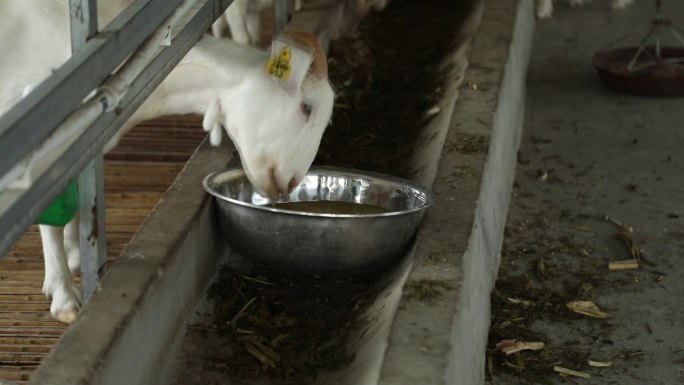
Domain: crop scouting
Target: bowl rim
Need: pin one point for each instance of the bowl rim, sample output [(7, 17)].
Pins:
[(429, 195)]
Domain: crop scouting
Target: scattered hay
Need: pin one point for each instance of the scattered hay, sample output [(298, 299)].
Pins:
[(513, 346), (468, 144), (516, 303), (570, 372), (289, 329), (425, 290), (587, 308), (389, 84)]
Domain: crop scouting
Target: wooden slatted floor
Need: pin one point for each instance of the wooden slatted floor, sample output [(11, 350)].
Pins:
[(137, 172)]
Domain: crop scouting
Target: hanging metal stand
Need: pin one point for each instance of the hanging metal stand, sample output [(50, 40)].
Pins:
[(651, 44), (654, 67)]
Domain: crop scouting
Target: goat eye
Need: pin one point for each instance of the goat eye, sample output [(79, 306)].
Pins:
[(306, 109)]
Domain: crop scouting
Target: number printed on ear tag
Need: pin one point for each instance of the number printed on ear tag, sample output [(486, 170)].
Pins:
[(288, 63), (279, 66)]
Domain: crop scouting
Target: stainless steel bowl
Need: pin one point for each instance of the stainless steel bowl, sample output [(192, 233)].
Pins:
[(321, 243)]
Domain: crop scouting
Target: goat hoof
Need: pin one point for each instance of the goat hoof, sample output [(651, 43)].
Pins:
[(66, 303), (66, 317)]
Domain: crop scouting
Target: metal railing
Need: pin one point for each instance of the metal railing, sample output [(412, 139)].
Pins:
[(154, 35), (132, 55)]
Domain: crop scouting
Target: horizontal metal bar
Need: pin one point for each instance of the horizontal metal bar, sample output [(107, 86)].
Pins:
[(55, 98), (31, 202)]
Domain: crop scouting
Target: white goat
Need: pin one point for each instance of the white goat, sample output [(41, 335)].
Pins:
[(362, 7), (378, 5), (545, 7), (276, 130), (243, 20)]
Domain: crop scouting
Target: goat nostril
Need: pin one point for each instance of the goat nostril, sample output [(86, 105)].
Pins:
[(278, 189), (273, 181), (293, 184)]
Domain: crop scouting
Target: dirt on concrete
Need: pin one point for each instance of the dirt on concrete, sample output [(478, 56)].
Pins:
[(599, 180)]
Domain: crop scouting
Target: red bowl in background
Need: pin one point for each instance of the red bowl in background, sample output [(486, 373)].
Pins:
[(660, 79)]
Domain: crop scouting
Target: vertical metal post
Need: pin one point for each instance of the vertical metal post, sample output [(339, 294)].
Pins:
[(281, 15), (93, 245), (659, 24), (83, 15)]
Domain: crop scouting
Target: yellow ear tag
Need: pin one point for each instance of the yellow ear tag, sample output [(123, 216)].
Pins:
[(288, 63), (279, 66)]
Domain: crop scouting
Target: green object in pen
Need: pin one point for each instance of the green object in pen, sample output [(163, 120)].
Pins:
[(63, 208)]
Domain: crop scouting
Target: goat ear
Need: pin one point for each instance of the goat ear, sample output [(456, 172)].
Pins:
[(288, 64), (215, 135), (210, 123), (211, 115)]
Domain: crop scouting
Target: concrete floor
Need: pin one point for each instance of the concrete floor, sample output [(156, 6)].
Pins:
[(588, 153)]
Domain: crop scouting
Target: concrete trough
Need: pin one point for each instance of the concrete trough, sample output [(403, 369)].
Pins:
[(131, 329)]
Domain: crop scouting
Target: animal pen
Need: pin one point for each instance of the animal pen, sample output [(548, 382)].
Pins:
[(160, 241)]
